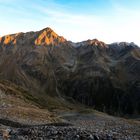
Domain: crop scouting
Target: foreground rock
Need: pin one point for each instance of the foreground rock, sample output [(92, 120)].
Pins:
[(53, 133), (78, 127), (105, 126)]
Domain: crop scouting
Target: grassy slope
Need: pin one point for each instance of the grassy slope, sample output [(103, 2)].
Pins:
[(19, 105)]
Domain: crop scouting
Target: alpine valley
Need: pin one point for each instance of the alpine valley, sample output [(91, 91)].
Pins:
[(44, 78)]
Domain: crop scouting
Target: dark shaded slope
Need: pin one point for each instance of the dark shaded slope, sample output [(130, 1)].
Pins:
[(106, 77)]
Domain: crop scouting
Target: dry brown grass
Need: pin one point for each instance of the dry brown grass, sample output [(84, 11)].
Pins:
[(16, 105)]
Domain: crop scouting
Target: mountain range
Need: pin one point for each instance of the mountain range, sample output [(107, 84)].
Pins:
[(47, 68)]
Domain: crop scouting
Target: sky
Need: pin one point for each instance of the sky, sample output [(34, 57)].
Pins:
[(76, 20)]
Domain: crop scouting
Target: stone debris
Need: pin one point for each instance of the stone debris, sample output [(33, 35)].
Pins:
[(50, 133)]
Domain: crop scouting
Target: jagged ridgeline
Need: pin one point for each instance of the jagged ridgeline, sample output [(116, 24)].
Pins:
[(103, 76)]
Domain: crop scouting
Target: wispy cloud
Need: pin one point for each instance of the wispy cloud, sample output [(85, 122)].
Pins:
[(120, 25)]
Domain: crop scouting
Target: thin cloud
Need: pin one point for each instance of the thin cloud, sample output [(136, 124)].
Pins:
[(120, 25)]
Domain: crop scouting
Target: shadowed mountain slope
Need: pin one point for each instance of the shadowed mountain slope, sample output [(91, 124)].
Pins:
[(104, 76)]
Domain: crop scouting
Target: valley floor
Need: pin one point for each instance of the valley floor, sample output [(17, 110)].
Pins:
[(78, 126), (104, 125)]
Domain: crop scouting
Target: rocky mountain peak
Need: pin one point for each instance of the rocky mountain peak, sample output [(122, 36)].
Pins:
[(124, 44), (40, 38), (119, 47), (93, 42), (48, 37), (9, 39)]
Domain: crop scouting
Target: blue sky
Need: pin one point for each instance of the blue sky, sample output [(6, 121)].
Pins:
[(76, 20)]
